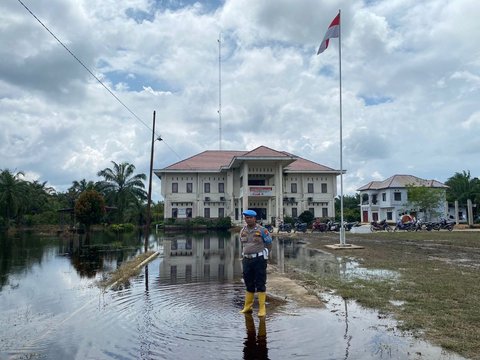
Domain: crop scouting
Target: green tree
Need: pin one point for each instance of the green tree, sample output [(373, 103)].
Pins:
[(122, 187), (462, 187), (90, 208), (13, 195), (351, 210), (426, 199)]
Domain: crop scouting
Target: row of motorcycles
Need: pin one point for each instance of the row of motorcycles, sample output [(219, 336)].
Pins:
[(415, 225), (316, 226)]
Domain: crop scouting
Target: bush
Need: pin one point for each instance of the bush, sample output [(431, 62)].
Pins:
[(288, 220), (306, 217), (223, 223), (127, 227)]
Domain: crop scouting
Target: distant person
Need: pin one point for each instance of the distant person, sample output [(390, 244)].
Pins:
[(256, 244)]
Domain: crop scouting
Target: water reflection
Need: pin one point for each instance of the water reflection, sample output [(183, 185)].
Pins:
[(255, 344), (184, 304)]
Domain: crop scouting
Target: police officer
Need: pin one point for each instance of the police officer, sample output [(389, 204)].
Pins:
[(256, 244)]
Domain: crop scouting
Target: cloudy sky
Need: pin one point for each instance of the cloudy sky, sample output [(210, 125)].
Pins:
[(410, 85)]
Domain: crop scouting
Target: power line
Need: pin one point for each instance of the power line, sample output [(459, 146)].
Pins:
[(94, 76)]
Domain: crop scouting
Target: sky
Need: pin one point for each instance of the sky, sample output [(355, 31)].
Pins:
[(410, 85)]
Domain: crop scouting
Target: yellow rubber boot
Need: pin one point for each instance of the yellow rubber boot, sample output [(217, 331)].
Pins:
[(262, 297), (247, 308)]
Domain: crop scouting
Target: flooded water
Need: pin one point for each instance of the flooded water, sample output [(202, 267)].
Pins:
[(184, 304)]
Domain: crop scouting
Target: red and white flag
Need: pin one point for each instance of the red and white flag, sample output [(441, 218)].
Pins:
[(332, 32)]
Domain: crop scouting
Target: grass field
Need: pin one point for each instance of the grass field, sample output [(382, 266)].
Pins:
[(437, 292)]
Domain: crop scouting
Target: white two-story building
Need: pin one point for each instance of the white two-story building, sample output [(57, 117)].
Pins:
[(388, 200), (220, 183)]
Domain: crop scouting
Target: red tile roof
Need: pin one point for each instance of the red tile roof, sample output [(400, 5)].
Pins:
[(215, 160)]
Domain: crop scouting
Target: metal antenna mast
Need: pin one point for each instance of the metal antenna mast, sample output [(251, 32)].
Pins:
[(220, 91)]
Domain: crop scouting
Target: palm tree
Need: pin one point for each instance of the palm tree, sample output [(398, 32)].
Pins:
[(462, 187), (12, 194), (122, 187)]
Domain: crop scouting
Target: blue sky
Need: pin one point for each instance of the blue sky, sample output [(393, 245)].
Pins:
[(410, 85)]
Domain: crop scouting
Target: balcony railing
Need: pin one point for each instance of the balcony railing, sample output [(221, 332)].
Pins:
[(261, 190)]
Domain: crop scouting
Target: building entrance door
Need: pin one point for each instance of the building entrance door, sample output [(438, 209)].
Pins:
[(261, 213)]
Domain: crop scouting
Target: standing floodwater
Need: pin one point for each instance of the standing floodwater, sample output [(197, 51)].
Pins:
[(184, 305)]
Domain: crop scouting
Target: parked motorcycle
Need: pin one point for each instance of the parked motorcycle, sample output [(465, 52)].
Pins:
[(269, 227), (287, 227), (444, 224), (380, 226), (300, 227), (406, 226), (333, 226), (319, 226)]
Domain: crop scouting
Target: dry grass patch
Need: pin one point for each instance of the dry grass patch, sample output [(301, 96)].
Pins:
[(120, 278), (438, 284)]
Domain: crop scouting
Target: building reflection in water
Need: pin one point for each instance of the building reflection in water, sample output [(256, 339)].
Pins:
[(209, 257), (216, 256)]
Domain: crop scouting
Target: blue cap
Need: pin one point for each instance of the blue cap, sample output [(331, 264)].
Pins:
[(249, 213)]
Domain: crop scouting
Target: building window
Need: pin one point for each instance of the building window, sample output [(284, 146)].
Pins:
[(294, 212), (397, 196), (325, 212), (174, 213), (206, 187), (389, 215), (324, 188), (221, 212), (312, 210), (384, 196), (310, 188), (174, 187), (206, 213), (221, 188), (293, 187), (189, 187), (189, 213)]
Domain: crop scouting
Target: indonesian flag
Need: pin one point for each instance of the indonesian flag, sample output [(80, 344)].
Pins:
[(332, 32)]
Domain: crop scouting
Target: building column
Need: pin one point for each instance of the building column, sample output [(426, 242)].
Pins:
[(456, 212), (279, 193), (469, 212), (245, 186)]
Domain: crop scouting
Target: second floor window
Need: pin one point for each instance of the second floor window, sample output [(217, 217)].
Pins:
[(206, 187), (324, 188), (384, 198), (189, 187), (174, 187), (397, 196), (293, 187), (310, 188), (221, 188)]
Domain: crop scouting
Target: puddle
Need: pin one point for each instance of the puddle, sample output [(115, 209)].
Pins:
[(323, 263), (184, 305)]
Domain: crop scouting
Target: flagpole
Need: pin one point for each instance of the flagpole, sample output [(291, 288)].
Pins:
[(342, 229)]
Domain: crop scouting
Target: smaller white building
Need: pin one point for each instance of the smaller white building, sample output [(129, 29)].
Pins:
[(388, 200)]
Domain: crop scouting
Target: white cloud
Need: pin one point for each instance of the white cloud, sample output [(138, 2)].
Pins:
[(410, 81)]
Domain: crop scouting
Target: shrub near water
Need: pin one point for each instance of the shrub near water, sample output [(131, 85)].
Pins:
[(121, 228)]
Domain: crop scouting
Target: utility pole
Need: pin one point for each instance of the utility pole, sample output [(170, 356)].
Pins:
[(149, 195)]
